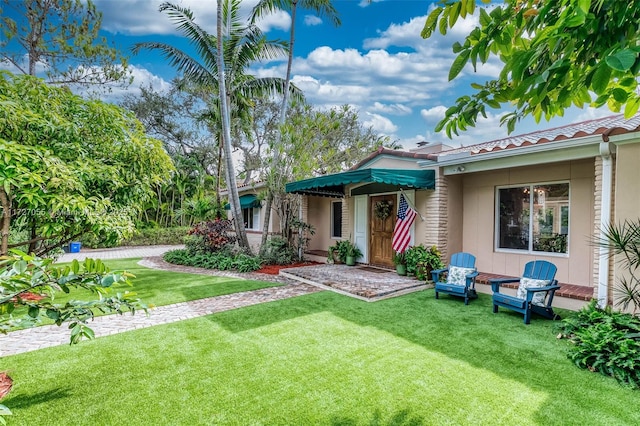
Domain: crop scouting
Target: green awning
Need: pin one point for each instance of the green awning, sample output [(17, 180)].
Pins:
[(333, 185), (246, 201)]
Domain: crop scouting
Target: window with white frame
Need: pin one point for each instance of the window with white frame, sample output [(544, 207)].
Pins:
[(533, 218), (336, 219), (251, 218)]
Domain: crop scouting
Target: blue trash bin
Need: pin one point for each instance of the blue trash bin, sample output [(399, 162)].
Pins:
[(75, 246)]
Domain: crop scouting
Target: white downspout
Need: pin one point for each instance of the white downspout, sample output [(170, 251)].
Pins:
[(605, 220)]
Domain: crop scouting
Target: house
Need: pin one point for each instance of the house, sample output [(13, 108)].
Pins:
[(253, 212), (542, 195)]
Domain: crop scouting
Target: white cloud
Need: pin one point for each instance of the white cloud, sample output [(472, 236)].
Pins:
[(365, 3), (380, 124), (147, 19), (434, 114), (311, 20), (395, 109)]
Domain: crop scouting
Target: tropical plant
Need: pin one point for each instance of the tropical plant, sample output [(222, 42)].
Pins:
[(623, 244), (605, 341), (70, 166), (555, 54), (421, 260), (265, 7), (210, 236), (400, 258), (278, 252), (219, 75)]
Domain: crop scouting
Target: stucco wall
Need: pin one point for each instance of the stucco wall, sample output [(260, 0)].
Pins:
[(319, 215), (627, 188), (478, 199), (627, 197)]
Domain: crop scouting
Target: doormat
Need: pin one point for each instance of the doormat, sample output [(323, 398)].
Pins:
[(372, 269)]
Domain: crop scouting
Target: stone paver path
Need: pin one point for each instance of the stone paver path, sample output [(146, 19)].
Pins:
[(50, 335)]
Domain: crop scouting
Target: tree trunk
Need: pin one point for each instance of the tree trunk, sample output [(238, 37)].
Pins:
[(265, 225), (234, 199), (5, 202)]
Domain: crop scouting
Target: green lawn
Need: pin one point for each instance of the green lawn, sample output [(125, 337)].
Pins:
[(322, 359), (158, 287)]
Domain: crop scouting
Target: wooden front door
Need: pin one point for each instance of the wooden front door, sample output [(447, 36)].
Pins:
[(381, 252)]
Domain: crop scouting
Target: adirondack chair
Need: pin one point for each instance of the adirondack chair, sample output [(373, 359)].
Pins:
[(535, 292), (461, 277)]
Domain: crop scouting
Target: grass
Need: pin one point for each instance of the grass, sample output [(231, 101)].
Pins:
[(159, 288), (322, 359), (165, 287)]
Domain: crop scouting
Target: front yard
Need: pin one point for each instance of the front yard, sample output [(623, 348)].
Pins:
[(321, 359)]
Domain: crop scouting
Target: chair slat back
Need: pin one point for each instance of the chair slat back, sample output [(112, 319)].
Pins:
[(463, 260), (540, 270)]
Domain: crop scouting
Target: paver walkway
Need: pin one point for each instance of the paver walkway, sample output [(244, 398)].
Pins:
[(50, 335)]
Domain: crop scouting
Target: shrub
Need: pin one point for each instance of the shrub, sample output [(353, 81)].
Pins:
[(605, 341), (211, 236), (223, 260), (420, 260), (278, 252), (157, 236)]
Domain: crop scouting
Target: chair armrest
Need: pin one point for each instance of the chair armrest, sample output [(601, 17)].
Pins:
[(497, 282), (435, 274), (545, 288), (473, 274)]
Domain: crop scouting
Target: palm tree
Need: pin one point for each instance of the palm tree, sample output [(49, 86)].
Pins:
[(322, 8), (224, 74)]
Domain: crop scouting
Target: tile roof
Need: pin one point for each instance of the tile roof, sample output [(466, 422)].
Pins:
[(606, 126)]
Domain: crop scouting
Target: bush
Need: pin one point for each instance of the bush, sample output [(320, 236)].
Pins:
[(278, 252), (157, 236), (211, 236), (421, 261), (605, 341), (141, 237), (223, 260)]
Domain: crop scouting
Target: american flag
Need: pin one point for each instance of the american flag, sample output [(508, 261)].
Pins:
[(401, 234)]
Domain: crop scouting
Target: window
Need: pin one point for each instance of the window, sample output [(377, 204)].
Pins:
[(251, 218), (534, 218), (336, 219)]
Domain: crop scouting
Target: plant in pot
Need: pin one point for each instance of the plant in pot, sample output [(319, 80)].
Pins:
[(400, 260), (353, 253)]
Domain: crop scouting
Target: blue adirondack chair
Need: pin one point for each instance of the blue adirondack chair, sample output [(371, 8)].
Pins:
[(535, 292), (461, 277)]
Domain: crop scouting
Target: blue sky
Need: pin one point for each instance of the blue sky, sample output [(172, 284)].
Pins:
[(376, 61)]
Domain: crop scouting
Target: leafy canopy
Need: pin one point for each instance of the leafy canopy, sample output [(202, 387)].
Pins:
[(555, 54), (70, 165)]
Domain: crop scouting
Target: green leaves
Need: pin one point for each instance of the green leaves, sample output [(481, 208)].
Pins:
[(32, 282), (622, 60), (68, 165), (458, 64), (553, 55)]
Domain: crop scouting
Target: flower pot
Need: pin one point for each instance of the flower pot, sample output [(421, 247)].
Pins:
[(401, 269), (350, 261)]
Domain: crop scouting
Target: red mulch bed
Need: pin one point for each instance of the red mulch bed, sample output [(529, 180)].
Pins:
[(275, 269)]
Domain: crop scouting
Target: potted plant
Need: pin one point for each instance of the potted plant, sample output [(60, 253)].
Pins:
[(352, 252), (400, 260)]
